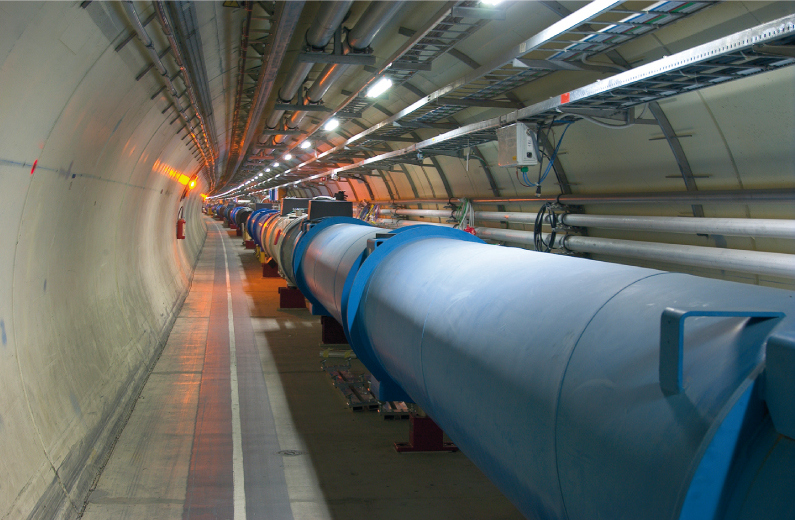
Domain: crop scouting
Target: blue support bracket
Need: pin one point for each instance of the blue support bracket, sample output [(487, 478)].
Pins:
[(672, 340)]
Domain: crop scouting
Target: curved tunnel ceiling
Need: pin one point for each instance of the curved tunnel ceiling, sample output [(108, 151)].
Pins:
[(95, 164)]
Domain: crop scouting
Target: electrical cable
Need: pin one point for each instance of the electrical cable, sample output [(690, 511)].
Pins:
[(527, 182), (538, 237)]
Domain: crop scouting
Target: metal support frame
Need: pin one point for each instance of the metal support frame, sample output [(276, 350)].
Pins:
[(488, 75), (660, 79), (670, 136)]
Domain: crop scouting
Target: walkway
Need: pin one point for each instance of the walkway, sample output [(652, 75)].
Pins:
[(237, 421)]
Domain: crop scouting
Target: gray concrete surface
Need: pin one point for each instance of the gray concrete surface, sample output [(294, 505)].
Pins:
[(317, 457), (91, 273)]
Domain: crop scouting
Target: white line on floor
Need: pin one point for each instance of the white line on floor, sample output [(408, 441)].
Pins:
[(238, 479)]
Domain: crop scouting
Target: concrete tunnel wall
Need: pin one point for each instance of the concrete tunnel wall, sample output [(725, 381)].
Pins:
[(91, 273)]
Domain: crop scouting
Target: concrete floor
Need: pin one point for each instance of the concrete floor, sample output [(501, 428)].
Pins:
[(288, 447)]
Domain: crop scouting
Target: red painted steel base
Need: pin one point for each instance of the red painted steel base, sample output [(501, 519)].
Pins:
[(232, 225), (332, 333), (239, 231), (424, 435), (291, 298), (269, 270), (250, 244)]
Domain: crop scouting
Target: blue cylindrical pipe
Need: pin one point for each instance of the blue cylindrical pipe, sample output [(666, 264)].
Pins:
[(256, 221), (546, 371), (324, 259)]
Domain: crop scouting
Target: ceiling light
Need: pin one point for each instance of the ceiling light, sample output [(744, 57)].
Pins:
[(267, 170), (380, 87), (331, 124), (275, 165), (306, 144), (287, 157), (492, 2)]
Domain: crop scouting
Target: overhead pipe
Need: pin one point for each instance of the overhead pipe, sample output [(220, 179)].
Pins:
[(244, 39), (769, 228), (328, 19), (204, 121), (289, 13), (770, 196), (751, 262), (608, 405), (129, 8), (375, 18)]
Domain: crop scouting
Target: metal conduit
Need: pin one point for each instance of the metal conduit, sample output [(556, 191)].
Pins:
[(770, 228), (775, 196), (329, 17), (751, 262), (377, 15), (129, 8), (209, 138)]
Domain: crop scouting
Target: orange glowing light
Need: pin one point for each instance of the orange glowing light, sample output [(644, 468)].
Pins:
[(183, 179), (192, 184)]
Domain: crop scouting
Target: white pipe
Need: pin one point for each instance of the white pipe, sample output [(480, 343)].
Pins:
[(752, 262), (434, 213), (770, 228), (762, 227), (395, 223), (516, 236)]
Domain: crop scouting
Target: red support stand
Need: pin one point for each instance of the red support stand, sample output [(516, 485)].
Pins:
[(424, 435), (291, 298), (269, 270), (239, 231), (250, 244), (232, 225), (332, 333)]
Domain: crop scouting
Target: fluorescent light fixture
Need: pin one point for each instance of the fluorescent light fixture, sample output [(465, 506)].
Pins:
[(380, 87), (267, 170), (492, 2), (287, 157), (275, 165), (331, 124), (306, 144)]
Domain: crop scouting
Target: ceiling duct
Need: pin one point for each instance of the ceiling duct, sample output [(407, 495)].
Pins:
[(375, 18), (329, 17)]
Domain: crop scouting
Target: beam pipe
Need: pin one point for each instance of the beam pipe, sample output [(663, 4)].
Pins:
[(573, 421)]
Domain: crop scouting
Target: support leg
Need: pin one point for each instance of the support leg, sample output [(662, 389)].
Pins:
[(424, 435)]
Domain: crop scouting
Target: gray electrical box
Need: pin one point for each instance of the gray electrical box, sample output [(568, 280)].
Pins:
[(290, 204), (516, 146), (319, 208)]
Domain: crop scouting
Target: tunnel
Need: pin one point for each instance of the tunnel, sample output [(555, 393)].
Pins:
[(466, 259)]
